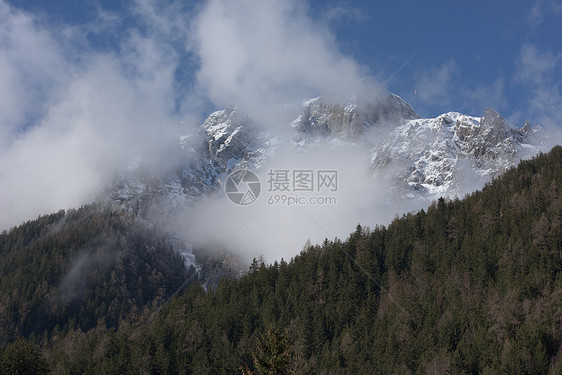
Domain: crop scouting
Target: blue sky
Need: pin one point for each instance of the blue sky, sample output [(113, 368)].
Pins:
[(474, 46), (461, 56)]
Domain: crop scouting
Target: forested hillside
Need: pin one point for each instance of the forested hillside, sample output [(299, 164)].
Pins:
[(466, 286), (79, 269)]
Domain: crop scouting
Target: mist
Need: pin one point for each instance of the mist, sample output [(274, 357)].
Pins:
[(265, 55), (279, 223), (74, 114)]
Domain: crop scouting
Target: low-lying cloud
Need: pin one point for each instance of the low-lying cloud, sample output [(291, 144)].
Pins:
[(282, 219), (267, 57)]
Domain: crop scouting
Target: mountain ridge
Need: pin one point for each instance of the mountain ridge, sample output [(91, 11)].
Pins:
[(231, 140)]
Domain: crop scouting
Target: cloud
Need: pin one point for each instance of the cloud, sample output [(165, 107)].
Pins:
[(73, 114), (31, 65), (336, 14), (260, 53), (536, 74), (266, 56), (478, 98), (540, 9), (534, 66), (437, 84), (443, 86), (275, 225)]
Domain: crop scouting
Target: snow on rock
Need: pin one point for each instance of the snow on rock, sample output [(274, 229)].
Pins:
[(425, 158), (428, 155), (433, 156)]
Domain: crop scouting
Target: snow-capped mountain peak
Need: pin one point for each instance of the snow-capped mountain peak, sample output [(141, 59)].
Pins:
[(445, 155), (429, 155)]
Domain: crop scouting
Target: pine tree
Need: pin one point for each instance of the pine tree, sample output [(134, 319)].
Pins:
[(21, 357), (273, 355)]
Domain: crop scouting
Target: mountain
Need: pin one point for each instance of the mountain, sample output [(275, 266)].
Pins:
[(466, 286), (418, 159), (349, 121), (449, 155), (436, 156)]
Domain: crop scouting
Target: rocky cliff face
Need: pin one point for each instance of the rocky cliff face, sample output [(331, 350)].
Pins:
[(429, 155), (445, 155), (321, 118)]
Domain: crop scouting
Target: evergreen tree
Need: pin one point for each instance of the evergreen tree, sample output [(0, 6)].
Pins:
[(21, 358), (272, 356)]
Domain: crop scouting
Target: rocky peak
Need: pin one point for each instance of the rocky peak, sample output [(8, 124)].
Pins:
[(394, 108), (228, 138), (494, 128), (429, 155), (426, 155), (320, 117)]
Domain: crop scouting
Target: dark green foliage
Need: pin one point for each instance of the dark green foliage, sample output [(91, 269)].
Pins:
[(469, 286), (272, 356), (21, 358), (82, 268)]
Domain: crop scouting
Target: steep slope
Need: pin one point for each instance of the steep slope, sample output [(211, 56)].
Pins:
[(471, 286), (437, 156), (97, 265), (450, 154)]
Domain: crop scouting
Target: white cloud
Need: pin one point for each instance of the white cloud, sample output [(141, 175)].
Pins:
[(72, 116), (442, 86), (344, 13), (536, 75), (479, 98), (31, 66), (534, 66), (436, 85), (540, 8), (259, 53), (280, 230), (263, 56)]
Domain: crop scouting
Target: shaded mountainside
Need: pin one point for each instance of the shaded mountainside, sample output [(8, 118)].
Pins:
[(82, 268), (468, 286)]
